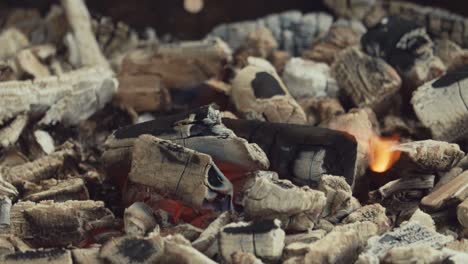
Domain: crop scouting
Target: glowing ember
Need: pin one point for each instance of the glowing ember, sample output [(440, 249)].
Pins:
[(381, 155)]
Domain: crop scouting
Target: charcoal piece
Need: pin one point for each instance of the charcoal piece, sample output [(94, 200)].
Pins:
[(425, 182), (59, 191), (313, 151), (365, 230), (374, 213), (182, 174), (139, 219), (39, 256), (450, 194), (449, 93), (177, 249)]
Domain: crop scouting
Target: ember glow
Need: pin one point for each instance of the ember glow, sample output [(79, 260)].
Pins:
[(381, 155)]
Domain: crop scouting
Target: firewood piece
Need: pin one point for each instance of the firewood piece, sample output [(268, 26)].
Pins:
[(357, 9), (10, 134), (369, 81), (177, 249), (180, 65), (260, 94), (139, 219), (430, 156), (299, 147), (374, 213), (29, 64), (61, 191), (210, 234), (80, 22), (309, 78), (43, 224), (452, 55), (320, 109), (452, 193), (69, 98), (409, 234), (129, 249), (39, 256), (142, 92), (391, 187), (462, 213), (356, 122), (200, 130), (340, 201), (43, 168), (5, 207), (264, 239), (364, 229), (240, 257), (326, 48), (87, 256), (411, 254), (267, 199), (12, 41), (448, 93), (184, 174), (406, 46)]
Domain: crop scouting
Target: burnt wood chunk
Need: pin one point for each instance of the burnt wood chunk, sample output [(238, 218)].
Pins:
[(171, 170), (301, 153), (450, 94), (449, 194), (131, 249), (139, 219)]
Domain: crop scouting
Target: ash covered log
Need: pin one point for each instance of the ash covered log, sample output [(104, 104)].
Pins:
[(310, 151), (139, 219), (368, 81), (406, 46), (450, 94), (258, 93), (183, 174), (44, 224), (298, 209), (264, 239)]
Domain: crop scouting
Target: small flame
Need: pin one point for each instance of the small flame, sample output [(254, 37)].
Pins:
[(381, 154)]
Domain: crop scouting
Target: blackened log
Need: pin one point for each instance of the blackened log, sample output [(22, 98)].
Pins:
[(326, 151)]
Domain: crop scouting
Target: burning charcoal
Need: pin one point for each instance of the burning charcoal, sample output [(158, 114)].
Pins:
[(240, 257), (357, 122), (298, 147), (209, 236), (406, 46), (185, 174), (452, 193), (293, 31), (369, 81), (179, 66), (308, 78), (139, 219), (410, 234), (374, 213), (307, 237), (69, 98), (412, 254), (86, 256), (59, 191), (326, 48), (340, 201), (258, 43), (429, 155), (364, 229), (142, 92), (11, 132), (200, 130), (39, 256), (129, 249), (448, 93), (264, 239), (44, 224), (260, 94), (452, 55), (267, 199), (12, 42), (462, 213), (80, 22), (321, 109), (43, 168), (351, 9)]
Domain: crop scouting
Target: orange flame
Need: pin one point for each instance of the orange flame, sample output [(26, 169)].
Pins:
[(381, 155)]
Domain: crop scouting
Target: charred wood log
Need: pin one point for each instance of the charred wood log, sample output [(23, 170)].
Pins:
[(139, 219), (449, 194)]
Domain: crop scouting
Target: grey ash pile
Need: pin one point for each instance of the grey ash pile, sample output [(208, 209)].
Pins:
[(292, 138)]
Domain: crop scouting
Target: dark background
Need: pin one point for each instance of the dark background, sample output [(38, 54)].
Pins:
[(169, 16)]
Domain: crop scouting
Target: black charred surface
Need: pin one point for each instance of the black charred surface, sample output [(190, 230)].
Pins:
[(451, 77), (283, 142), (215, 178), (36, 254), (381, 41), (137, 250), (259, 227), (265, 85)]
